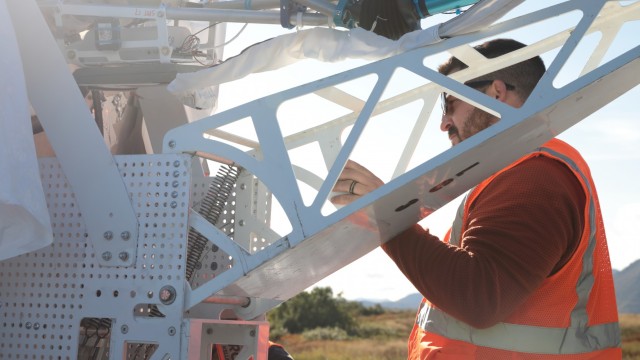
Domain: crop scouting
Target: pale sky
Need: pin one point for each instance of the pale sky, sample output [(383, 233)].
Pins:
[(609, 140)]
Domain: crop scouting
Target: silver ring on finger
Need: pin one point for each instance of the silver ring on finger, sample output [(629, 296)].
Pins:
[(352, 187)]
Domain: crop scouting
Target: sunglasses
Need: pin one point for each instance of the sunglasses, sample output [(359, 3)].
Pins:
[(472, 84)]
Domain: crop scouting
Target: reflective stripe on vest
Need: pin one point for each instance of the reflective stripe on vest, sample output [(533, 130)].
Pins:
[(456, 227), (575, 339)]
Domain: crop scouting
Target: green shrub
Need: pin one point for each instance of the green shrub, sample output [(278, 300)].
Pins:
[(307, 311), (276, 333), (376, 309), (369, 331), (325, 333)]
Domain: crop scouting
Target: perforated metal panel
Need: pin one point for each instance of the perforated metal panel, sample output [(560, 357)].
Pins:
[(46, 295), (212, 260)]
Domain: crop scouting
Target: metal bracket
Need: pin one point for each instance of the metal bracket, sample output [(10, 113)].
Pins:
[(347, 13), (205, 335), (287, 9)]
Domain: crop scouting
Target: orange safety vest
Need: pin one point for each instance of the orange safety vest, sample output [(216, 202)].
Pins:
[(572, 315)]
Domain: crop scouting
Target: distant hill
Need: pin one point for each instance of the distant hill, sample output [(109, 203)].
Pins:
[(628, 289), (408, 302), (627, 284)]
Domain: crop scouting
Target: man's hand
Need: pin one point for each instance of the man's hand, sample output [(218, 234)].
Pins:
[(355, 181)]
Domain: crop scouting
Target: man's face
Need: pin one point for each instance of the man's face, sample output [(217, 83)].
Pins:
[(463, 120)]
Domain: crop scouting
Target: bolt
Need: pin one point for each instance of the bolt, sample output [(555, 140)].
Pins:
[(172, 144), (174, 194), (125, 235), (175, 183), (252, 333), (167, 294), (124, 256), (241, 222), (176, 173), (209, 331), (108, 235), (243, 186), (172, 331), (124, 329), (176, 163), (174, 204), (36, 326), (27, 325), (106, 256)]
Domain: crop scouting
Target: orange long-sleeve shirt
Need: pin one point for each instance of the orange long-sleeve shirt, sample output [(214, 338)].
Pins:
[(522, 228)]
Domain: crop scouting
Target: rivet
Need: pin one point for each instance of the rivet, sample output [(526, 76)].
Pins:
[(125, 235), (106, 256), (172, 144), (124, 329), (172, 331), (124, 256), (167, 294), (108, 235)]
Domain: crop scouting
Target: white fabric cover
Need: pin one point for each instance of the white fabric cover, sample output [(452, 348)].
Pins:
[(24, 219), (323, 44)]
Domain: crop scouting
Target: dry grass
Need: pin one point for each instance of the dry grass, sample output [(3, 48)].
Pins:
[(387, 342), (630, 328), (391, 344), (357, 349)]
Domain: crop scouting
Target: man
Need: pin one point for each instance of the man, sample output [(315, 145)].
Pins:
[(524, 272)]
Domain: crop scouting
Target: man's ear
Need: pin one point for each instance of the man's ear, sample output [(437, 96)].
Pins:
[(499, 90)]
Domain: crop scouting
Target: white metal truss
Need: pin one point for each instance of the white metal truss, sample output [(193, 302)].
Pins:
[(321, 243), (98, 293)]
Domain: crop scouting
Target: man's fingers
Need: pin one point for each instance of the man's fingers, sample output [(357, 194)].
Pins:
[(346, 186), (357, 172), (354, 181), (343, 199)]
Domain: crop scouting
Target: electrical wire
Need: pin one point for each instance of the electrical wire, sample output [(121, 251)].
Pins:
[(191, 43), (234, 37)]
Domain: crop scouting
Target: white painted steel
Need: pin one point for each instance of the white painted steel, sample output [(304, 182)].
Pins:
[(45, 294), (251, 336)]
